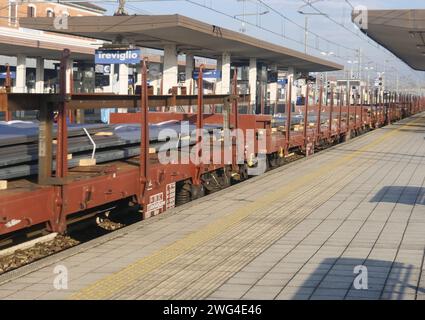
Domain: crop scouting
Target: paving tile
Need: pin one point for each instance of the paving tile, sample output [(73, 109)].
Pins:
[(224, 295), (44, 287), (13, 286), (363, 294), (229, 291), (58, 295), (328, 292), (25, 295), (236, 280), (234, 287), (273, 282), (397, 296), (5, 293), (326, 297), (262, 293), (292, 296)]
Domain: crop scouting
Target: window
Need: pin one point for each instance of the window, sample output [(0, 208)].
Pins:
[(50, 13), (13, 11), (31, 11)]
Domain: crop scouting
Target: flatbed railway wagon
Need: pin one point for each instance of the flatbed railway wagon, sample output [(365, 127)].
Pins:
[(63, 192)]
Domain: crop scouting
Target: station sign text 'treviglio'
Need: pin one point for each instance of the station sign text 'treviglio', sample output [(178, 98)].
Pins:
[(131, 56)]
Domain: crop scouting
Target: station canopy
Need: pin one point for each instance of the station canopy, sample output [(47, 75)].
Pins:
[(11, 46), (189, 35), (400, 31)]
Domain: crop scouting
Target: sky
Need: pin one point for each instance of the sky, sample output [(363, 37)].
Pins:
[(331, 35)]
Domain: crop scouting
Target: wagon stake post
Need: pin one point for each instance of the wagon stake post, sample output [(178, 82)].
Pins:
[(144, 131)]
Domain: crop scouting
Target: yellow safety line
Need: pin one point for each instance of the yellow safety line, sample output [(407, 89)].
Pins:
[(116, 282)]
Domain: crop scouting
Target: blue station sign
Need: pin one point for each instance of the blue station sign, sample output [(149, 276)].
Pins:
[(3, 75), (130, 56), (209, 74)]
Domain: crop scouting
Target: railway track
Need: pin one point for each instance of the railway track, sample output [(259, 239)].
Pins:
[(17, 253)]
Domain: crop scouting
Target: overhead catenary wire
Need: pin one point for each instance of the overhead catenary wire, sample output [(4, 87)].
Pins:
[(357, 34), (279, 34), (349, 3), (303, 27), (337, 45), (285, 18)]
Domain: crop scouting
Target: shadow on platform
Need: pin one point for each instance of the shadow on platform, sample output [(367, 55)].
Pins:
[(335, 279), (400, 194)]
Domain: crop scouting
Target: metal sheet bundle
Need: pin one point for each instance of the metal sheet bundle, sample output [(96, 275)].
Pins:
[(19, 144)]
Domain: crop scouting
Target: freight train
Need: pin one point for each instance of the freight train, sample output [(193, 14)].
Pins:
[(55, 174)]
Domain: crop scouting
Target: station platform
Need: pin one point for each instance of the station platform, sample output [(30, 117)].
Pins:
[(297, 232)]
